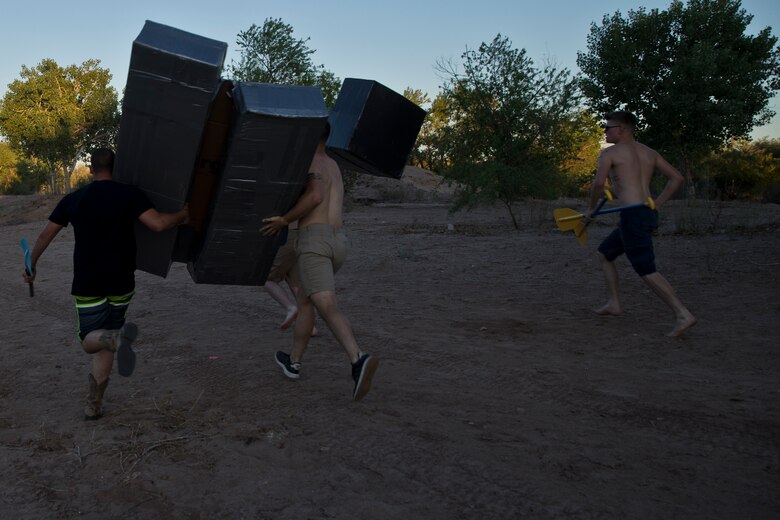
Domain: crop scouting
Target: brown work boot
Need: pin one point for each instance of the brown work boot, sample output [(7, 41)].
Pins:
[(94, 408)]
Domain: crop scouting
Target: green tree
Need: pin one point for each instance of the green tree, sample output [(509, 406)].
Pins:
[(427, 151), (690, 73), (19, 176), (417, 96), (431, 148), (33, 177), (55, 114), (586, 136), (508, 126), (271, 54), (8, 172), (743, 170), (770, 146)]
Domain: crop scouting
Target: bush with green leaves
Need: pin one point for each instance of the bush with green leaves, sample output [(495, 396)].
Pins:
[(55, 115), (692, 74), (742, 171), (271, 54), (509, 126)]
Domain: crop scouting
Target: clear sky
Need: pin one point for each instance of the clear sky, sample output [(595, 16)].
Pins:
[(394, 42)]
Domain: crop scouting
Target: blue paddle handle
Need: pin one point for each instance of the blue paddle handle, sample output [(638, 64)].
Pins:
[(596, 212), (28, 264), (613, 210), (600, 205)]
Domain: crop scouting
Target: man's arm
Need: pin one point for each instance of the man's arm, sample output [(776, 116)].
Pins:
[(312, 196), (599, 182), (44, 239), (157, 221), (673, 183)]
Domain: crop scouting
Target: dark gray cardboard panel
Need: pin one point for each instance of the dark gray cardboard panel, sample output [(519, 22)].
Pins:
[(373, 129), (161, 50), (280, 101), (205, 177), (275, 132), (170, 84)]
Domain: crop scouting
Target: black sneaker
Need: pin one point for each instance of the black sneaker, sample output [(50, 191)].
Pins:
[(125, 357), (290, 369), (363, 372)]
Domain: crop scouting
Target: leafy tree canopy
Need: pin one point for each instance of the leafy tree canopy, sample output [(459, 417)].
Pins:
[(417, 96), (8, 174), (271, 54), (770, 146), (743, 170), (56, 114), (19, 176), (691, 74), (430, 150), (507, 125)]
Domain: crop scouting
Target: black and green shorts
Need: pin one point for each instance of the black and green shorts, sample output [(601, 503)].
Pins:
[(100, 312)]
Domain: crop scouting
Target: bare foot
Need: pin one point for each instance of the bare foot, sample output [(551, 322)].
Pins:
[(314, 332), (609, 310), (682, 325), (292, 313)]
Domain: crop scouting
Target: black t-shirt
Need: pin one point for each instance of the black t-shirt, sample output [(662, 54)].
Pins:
[(103, 214)]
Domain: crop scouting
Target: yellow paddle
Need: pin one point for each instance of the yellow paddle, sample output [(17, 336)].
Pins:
[(570, 220), (567, 218)]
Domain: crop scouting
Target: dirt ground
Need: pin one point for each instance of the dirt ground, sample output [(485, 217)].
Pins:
[(499, 393)]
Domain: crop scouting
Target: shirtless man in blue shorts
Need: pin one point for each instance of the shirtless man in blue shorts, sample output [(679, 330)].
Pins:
[(322, 248), (630, 165)]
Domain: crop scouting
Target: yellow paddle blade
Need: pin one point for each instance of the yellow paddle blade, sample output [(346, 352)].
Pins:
[(578, 216), (566, 218), (570, 225), (571, 220), (582, 234), (566, 213)]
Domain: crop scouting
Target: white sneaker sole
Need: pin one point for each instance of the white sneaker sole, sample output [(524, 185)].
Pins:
[(287, 373)]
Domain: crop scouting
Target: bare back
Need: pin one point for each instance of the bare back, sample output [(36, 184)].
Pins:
[(326, 172), (631, 166)]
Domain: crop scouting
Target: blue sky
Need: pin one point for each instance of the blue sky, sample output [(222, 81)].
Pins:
[(396, 43)]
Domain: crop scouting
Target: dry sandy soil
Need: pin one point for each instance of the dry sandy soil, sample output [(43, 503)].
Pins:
[(499, 394)]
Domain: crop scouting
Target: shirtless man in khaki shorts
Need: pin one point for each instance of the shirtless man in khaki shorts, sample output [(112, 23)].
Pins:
[(321, 248), (630, 165)]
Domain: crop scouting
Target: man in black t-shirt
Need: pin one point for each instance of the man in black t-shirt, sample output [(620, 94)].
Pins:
[(103, 215)]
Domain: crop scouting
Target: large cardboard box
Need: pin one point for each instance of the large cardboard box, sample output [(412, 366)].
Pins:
[(172, 80), (373, 129), (275, 131), (205, 177)]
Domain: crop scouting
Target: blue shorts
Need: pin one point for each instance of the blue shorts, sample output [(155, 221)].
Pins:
[(634, 237), (100, 312)]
